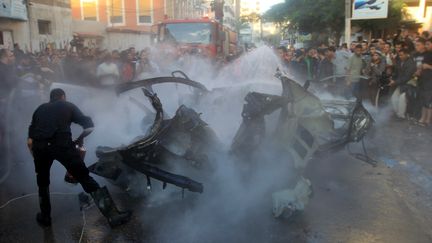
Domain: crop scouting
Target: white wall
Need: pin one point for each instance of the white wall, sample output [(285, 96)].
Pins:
[(121, 41), (20, 32), (61, 25), (419, 17)]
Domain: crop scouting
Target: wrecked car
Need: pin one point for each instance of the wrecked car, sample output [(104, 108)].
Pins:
[(183, 140), (305, 126)]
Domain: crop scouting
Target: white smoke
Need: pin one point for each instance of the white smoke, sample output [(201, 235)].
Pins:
[(236, 203), (236, 193)]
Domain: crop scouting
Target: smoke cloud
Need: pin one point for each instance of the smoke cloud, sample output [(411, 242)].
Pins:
[(236, 203)]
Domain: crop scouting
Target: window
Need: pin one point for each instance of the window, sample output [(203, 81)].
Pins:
[(89, 9), (116, 10), (144, 11), (199, 33), (44, 27)]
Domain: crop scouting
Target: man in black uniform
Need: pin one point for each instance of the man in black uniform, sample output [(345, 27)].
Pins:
[(50, 139)]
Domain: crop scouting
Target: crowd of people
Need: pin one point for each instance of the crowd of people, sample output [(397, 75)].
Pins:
[(27, 77), (90, 66), (400, 66)]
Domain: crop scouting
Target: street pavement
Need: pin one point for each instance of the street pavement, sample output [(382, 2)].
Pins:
[(352, 201)]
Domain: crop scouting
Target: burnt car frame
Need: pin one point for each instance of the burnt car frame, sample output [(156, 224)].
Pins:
[(305, 126)]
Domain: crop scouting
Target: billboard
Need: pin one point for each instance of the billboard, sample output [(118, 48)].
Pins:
[(370, 9), (13, 9)]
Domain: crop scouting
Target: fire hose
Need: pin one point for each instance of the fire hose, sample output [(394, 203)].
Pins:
[(53, 193)]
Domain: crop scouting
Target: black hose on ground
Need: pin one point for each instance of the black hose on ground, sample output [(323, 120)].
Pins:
[(362, 156)]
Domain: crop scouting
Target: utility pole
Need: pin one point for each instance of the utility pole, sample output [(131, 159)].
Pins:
[(237, 15), (237, 9), (218, 8), (30, 27), (348, 6), (261, 27)]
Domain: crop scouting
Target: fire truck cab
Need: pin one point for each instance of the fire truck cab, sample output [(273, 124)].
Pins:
[(204, 37)]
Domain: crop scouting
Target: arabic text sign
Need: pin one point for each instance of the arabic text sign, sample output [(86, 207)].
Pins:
[(370, 9), (14, 9)]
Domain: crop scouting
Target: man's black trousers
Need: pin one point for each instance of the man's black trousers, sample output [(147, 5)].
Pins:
[(45, 153)]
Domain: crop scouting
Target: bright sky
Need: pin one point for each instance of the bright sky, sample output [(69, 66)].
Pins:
[(266, 4)]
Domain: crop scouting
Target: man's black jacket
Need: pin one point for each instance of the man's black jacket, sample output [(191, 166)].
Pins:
[(404, 71), (51, 122)]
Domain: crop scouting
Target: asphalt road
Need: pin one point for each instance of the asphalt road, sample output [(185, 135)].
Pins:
[(352, 202)]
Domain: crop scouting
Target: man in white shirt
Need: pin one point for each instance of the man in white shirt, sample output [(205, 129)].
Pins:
[(342, 59), (107, 72)]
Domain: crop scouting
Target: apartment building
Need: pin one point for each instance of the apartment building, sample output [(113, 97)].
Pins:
[(421, 12), (116, 24), (35, 24), (181, 9)]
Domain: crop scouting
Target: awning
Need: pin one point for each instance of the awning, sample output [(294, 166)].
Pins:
[(89, 35), (127, 30)]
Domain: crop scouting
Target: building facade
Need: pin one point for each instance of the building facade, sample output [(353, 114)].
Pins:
[(421, 12), (252, 31), (182, 9), (248, 7), (13, 24), (116, 24), (36, 24), (229, 17), (50, 24), (107, 24)]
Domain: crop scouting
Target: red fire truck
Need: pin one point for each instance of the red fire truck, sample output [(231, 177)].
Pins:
[(204, 36)]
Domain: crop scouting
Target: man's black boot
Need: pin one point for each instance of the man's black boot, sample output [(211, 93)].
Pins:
[(106, 205), (44, 217), (43, 220)]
